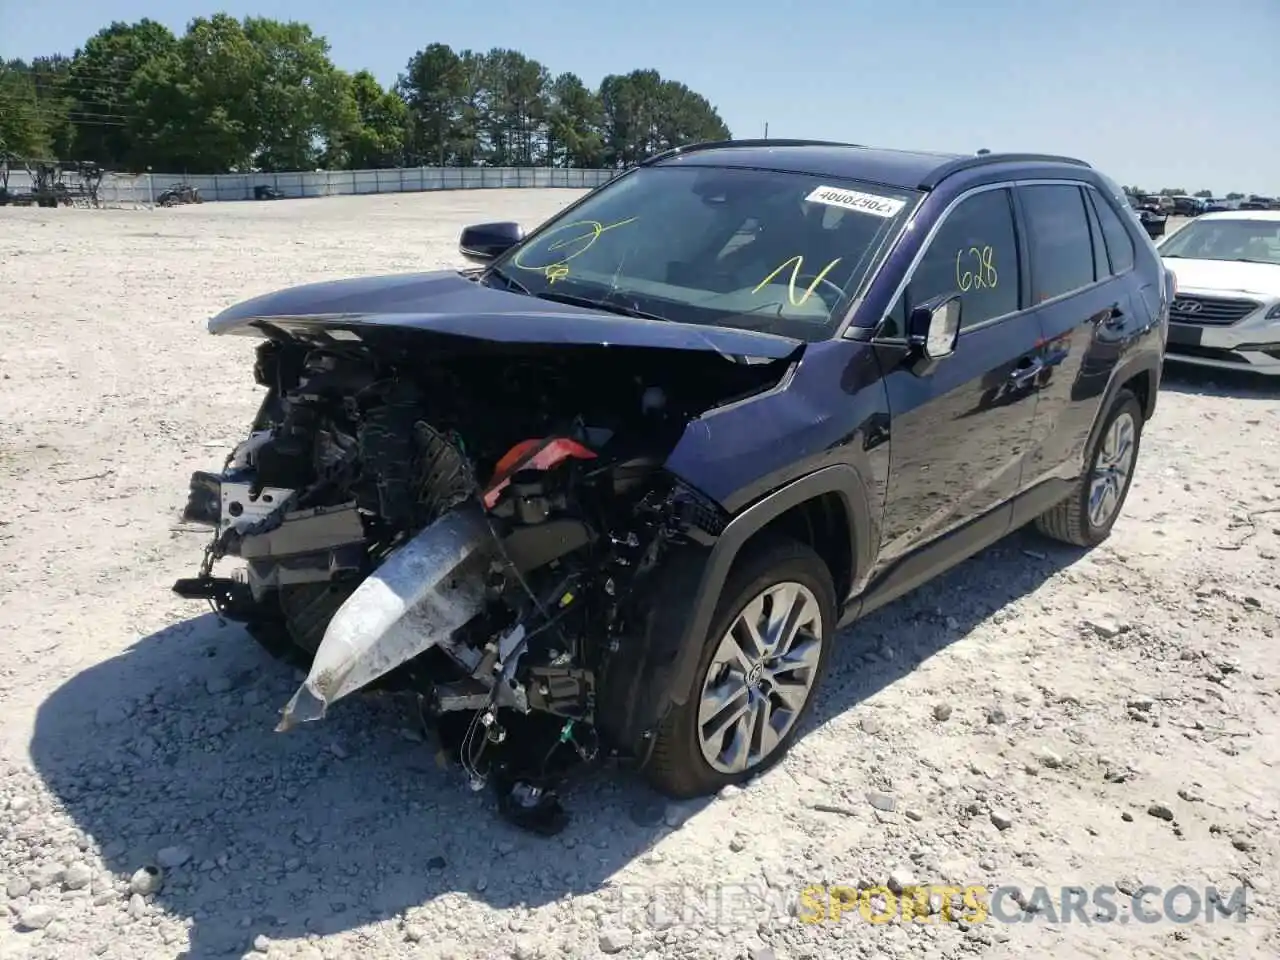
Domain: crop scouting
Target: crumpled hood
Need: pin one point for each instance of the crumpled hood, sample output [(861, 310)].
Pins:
[(446, 302), (1259, 279)]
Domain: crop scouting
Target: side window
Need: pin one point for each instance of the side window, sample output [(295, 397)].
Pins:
[(1061, 244), (1119, 241), (974, 254), (1101, 265)]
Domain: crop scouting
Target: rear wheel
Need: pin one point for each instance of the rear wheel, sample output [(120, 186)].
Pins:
[(1085, 518), (761, 663)]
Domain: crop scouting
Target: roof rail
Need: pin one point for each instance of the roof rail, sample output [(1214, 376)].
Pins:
[(721, 144), (945, 170)]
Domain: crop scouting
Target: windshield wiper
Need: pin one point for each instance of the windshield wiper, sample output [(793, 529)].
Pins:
[(511, 282), (606, 305)]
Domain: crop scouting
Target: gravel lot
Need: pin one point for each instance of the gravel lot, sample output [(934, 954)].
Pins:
[(1038, 716)]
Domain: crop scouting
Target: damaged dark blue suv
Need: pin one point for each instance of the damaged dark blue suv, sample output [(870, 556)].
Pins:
[(613, 492)]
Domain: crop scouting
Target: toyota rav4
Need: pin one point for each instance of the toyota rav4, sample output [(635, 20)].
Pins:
[(623, 481)]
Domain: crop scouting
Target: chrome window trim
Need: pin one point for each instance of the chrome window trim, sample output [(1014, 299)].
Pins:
[(924, 248), (937, 226)]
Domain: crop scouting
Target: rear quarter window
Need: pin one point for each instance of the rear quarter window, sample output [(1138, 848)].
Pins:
[(1119, 241)]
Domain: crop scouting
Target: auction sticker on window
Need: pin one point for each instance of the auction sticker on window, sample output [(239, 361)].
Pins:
[(853, 200)]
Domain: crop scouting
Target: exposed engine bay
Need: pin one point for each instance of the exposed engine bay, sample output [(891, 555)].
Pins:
[(472, 522)]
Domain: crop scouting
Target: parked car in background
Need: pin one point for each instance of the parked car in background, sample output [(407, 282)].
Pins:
[(1227, 310), (631, 481), (1187, 206), (1157, 202), (1218, 205), (1148, 215)]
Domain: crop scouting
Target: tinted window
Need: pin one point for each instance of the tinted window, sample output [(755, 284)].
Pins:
[(1061, 244), (1101, 265), (975, 255), (1119, 242)]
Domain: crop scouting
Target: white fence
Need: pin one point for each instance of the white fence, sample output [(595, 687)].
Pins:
[(144, 188)]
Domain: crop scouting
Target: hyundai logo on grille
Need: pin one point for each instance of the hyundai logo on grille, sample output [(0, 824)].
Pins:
[(1186, 306)]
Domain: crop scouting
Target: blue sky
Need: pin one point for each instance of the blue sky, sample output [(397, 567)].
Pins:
[(1183, 93)]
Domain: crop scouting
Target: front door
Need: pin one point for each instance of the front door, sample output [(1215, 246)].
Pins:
[(960, 432)]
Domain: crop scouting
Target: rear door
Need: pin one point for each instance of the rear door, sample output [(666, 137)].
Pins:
[(1082, 259), (960, 431)]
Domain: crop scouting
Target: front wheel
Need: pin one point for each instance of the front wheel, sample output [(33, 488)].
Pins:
[(761, 663), (1085, 518)]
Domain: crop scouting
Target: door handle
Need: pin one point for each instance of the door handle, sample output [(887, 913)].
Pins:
[(1026, 370)]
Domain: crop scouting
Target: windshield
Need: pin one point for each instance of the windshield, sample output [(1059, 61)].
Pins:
[(1254, 241), (782, 253)]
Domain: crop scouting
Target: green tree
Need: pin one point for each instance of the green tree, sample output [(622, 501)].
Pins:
[(515, 120), (644, 115), (433, 87), (302, 105), (105, 99), (1203, 193), (24, 127), (1235, 196), (261, 94), (574, 121), (382, 121)]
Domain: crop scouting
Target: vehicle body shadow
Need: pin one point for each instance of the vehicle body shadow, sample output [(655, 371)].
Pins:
[(1217, 382), (353, 820)]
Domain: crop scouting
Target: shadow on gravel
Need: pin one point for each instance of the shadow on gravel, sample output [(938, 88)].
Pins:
[(349, 821), (1215, 382)]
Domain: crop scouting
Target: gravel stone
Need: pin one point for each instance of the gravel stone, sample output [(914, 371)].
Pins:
[(77, 877), (170, 858), (146, 881), (36, 917), (615, 939)]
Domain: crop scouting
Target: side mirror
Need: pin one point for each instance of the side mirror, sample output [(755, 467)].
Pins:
[(934, 329), (482, 242)]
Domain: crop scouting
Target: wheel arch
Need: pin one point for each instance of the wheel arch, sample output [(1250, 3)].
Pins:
[(652, 671), (828, 510), (1141, 376)]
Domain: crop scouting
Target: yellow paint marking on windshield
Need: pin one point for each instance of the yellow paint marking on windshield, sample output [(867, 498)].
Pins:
[(981, 273), (559, 269), (795, 263)]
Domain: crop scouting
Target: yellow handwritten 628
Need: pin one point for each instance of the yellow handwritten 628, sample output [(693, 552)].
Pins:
[(976, 269)]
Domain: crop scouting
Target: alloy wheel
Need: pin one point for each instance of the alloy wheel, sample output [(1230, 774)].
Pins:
[(760, 677), (1111, 470)]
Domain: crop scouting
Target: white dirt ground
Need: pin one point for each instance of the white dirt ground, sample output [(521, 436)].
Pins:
[(1116, 712)]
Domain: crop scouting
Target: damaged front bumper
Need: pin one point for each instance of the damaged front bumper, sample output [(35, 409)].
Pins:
[(413, 599), (422, 592), (279, 545)]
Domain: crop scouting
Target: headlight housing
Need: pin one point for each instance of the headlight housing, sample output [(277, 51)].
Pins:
[(1274, 312)]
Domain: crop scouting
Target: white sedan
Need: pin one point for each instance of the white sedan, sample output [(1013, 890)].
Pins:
[(1227, 310)]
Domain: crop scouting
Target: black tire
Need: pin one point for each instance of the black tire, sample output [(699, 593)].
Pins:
[(308, 608), (1069, 520), (677, 766)]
